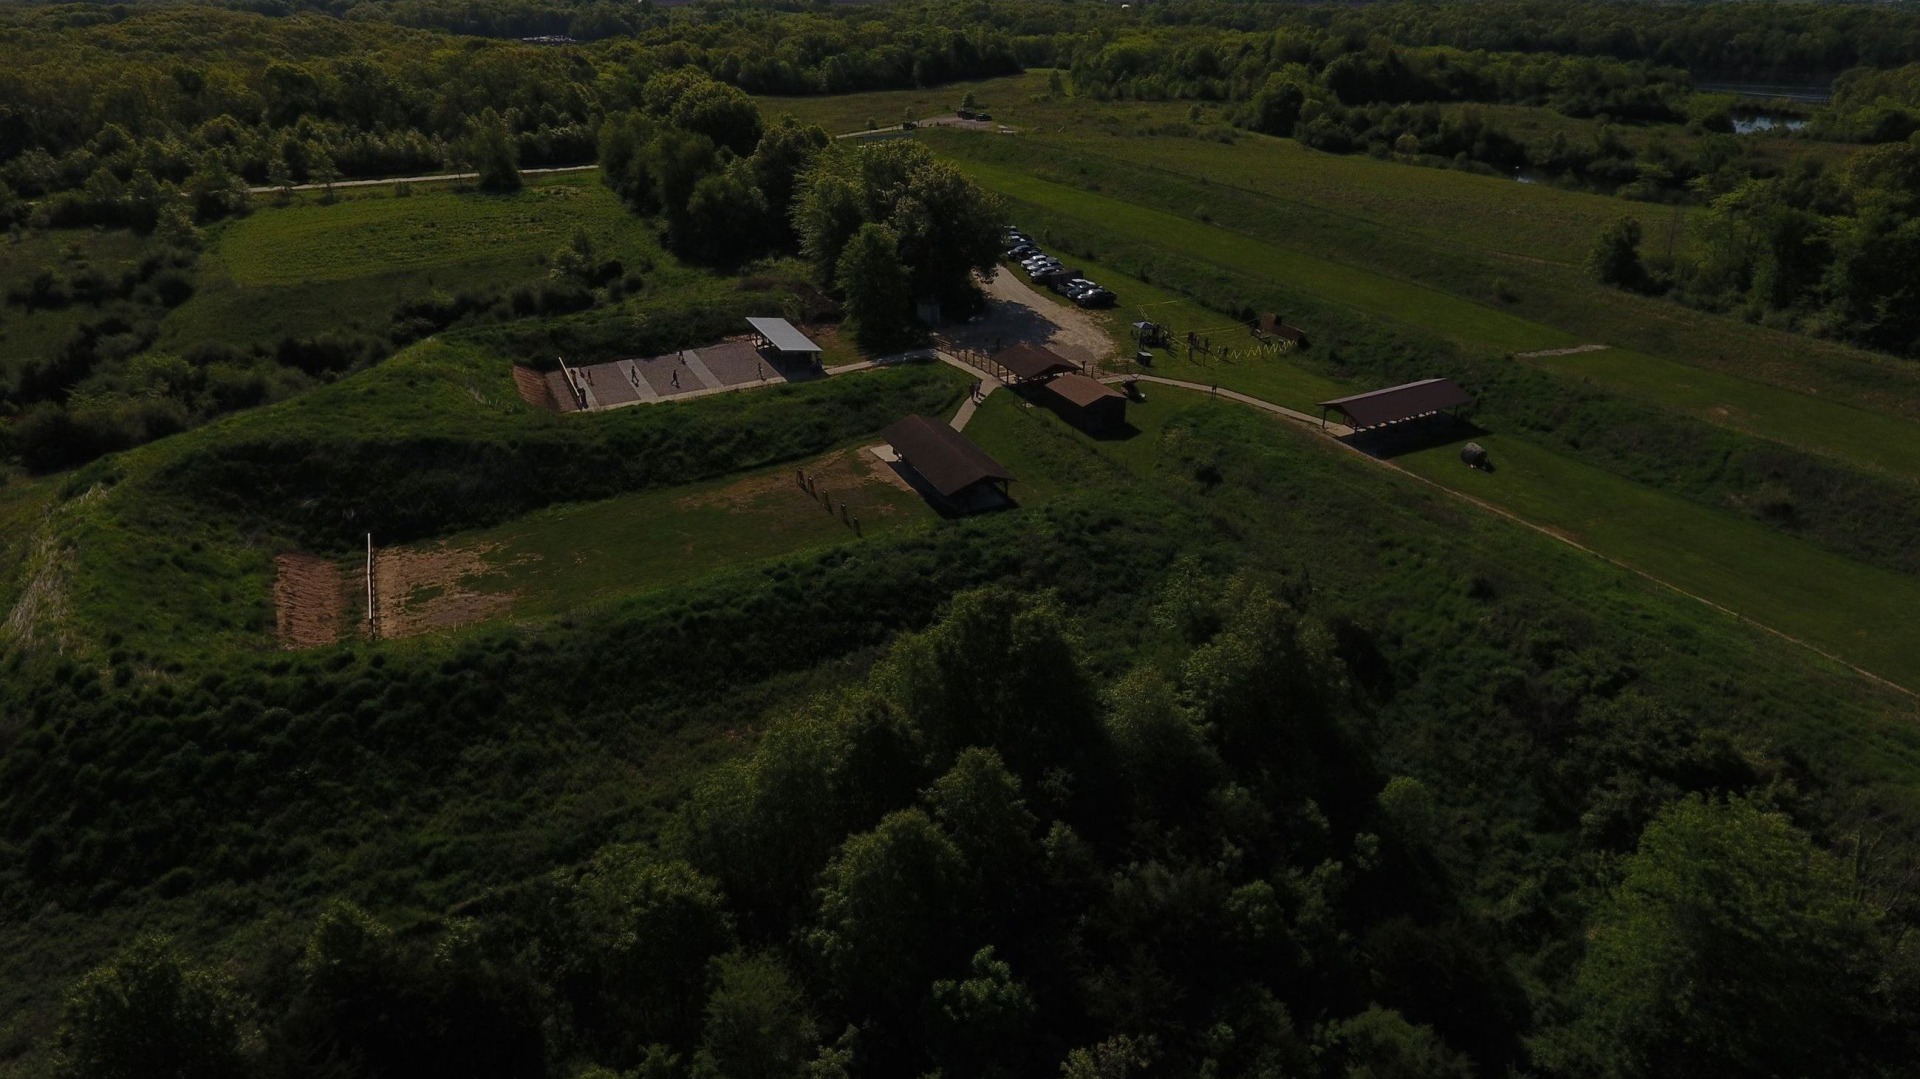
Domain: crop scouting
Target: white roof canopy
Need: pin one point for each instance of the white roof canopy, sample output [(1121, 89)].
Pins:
[(781, 335)]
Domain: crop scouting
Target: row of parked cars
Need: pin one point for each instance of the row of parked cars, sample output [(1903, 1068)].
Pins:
[(1051, 272)]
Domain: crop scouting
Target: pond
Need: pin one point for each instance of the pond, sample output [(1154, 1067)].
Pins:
[(1761, 123)]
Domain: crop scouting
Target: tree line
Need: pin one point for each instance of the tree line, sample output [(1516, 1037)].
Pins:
[(984, 860)]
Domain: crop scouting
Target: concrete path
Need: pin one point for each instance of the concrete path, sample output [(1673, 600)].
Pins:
[(1335, 430), (640, 384), (1545, 352), (700, 371), (436, 178)]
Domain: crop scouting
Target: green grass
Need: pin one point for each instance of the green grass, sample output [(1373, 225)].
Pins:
[(1446, 207), (311, 242), (1016, 100), (310, 267), (1859, 613), (568, 557), (1359, 289), (1375, 218), (1855, 435)]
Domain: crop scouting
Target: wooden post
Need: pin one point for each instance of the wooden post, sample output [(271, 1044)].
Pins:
[(373, 626)]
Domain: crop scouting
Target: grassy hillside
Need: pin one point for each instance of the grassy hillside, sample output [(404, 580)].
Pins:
[(310, 267), (173, 543)]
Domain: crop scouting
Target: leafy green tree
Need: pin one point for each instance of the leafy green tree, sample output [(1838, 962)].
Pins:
[(1732, 946), (758, 1025), (726, 219), (979, 804), (280, 178), (625, 143), (874, 281), (491, 150), (890, 913), (692, 101), (636, 941), (1614, 258), (1379, 1043), (949, 229), (983, 1019), (146, 1014), (786, 152), (999, 670), (829, 209)]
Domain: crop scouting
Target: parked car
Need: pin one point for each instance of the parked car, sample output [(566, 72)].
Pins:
[(1040, 264), (1098, 297), (964, 114), (1022, 251), (983, 116)]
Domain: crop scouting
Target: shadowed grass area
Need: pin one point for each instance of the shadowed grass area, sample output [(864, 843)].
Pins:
[(1856, 435), (567, 557)]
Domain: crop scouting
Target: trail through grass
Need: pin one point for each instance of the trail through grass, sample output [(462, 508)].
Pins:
[(1857, 435)]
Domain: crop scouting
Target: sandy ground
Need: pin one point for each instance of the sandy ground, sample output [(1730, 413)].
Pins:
[(1017, 312), (534, 389), (309, 600), (420, 591)]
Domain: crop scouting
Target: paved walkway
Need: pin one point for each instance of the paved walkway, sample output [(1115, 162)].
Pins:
[(436, 178), (1335, 430), (700, 370), (1545, 352)]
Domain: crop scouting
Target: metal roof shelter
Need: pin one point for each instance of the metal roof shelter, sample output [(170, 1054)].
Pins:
[(951, 465), (1397, 403), (1093, 406), (1029, 363), (779, 335)]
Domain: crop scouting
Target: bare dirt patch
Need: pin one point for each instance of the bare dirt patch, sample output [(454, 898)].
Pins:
[(1017, 312), (309, 600), (840, 476), (534, 389), (422, 591)]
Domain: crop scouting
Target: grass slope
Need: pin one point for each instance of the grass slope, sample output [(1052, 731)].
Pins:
[(310, 268)]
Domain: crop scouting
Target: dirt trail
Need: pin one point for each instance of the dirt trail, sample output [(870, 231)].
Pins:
[(309, 600)]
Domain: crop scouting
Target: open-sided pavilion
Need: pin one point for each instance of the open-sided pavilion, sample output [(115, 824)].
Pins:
[(1026, 362), (1397, 404), (782, 341)]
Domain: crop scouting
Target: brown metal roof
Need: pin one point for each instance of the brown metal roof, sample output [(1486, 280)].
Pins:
[(1396, 403), (1027, 361), (942, 455), (1080, 390)]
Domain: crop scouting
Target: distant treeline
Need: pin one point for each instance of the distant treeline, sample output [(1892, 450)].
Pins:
[(104, 105)]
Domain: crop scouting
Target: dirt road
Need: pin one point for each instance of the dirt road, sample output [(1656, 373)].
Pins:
[(442, 176), (1017, 312)]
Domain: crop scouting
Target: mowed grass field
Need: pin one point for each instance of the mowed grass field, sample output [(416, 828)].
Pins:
[(1378, 216), (310, 267), (1833, 604), (1841, 429), (572, 556), (1859, 613)]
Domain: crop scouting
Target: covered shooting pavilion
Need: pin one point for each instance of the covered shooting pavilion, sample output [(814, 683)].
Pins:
[(1397, 404), (779, 338), (1032, 363), (958, 471)]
